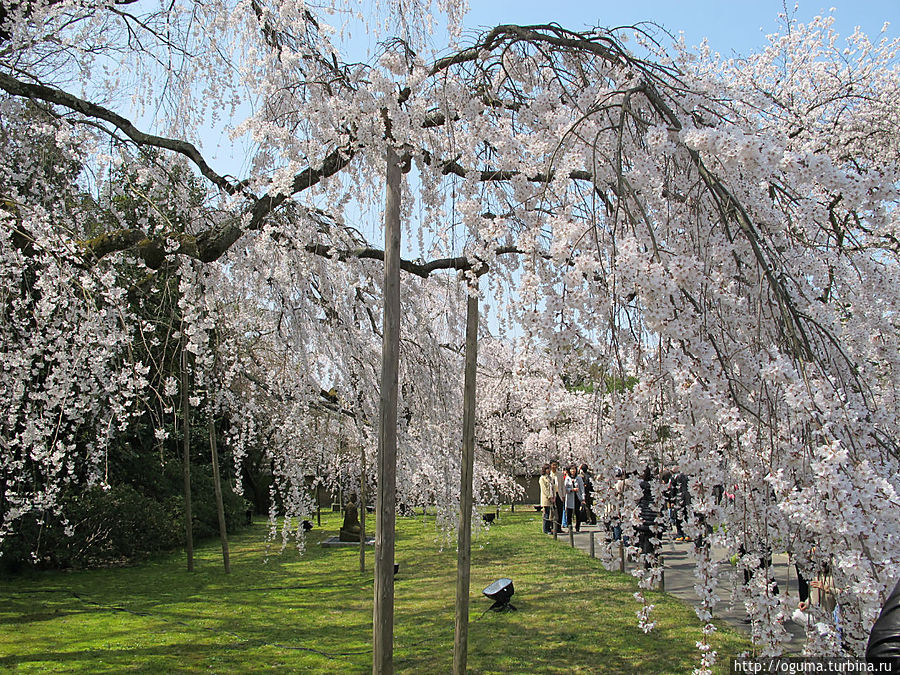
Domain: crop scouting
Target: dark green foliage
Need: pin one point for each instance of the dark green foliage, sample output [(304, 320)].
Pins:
[(118, 524), (206, 523)]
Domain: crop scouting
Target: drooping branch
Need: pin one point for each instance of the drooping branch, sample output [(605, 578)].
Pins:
[(208, 245), (597, 43), (7, 8)]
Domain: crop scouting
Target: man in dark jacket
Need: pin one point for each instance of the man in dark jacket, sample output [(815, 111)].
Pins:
[(884, 639), (590, 516), (681, 497)]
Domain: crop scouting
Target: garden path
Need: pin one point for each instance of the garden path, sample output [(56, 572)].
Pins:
[(679, 580)]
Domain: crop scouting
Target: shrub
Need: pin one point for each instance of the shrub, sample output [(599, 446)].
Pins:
[(115, 525)]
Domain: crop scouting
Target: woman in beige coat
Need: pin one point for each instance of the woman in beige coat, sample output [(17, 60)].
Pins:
[(547, 498)]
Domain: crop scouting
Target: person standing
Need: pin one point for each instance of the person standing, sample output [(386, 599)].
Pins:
[(618, 506), (559, 493), (681, 501), (547, 498), (884, 638), (589, 515), (574, 487)]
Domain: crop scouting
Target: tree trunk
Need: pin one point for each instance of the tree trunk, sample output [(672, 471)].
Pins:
[(385, 509), (464, 553), (186, 460), (217, 484)]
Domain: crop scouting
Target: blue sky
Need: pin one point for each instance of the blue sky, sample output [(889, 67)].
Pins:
[(731, 27)]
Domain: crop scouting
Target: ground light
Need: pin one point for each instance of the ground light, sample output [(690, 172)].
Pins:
[(500, 592)]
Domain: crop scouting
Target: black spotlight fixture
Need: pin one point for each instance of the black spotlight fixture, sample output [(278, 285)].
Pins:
[(306, 525), (488, 517), (396, 568), (500, 592)]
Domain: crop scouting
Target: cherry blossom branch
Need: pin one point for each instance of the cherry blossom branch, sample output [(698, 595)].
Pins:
[(423, 269)]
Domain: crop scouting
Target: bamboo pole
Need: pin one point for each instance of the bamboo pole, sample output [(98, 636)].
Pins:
[(385, 509), (464, 548), (186, 460), (217, 485)]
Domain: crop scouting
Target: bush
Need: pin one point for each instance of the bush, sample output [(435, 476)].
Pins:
[(117, 524)]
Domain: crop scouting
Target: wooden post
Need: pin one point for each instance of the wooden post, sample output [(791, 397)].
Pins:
[(592, 544), (186, 459), (572, 534), (464, 547), (217, 486), (362, 509), (662, 575), (621, 556), (385, 508)]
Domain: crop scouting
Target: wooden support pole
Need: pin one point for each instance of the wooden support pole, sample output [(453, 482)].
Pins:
[(362, 508), (621, 556), (464, 545), (572, 534), (217, 486), (593, 555), (186, 459), (385, 506)]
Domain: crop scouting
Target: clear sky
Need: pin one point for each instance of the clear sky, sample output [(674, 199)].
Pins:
[(736, 27)]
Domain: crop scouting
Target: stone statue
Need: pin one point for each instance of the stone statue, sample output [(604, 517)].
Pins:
[(350, 528)]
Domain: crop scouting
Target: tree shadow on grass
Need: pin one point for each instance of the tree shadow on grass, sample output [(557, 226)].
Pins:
[(178, 657)]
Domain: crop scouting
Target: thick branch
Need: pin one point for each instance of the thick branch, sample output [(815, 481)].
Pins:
[(59, 97), (488, 175), (423, 270)]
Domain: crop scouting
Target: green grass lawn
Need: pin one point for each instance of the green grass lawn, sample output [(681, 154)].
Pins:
[(313, 613)]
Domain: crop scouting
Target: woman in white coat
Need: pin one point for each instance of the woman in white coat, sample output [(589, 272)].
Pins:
[(574, 497)]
